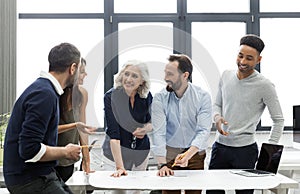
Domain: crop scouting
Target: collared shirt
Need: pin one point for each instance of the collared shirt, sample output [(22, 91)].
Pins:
[(181, 122), (53, 80)]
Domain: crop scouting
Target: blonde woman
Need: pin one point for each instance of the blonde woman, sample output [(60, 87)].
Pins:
[(127, 114)]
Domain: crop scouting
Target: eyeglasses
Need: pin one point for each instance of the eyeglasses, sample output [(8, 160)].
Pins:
[(133, 143)]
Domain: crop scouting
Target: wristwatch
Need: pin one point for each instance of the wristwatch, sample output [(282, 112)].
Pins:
[(162, 165)]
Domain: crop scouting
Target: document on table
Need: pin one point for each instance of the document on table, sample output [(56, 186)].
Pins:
[(185, 179)]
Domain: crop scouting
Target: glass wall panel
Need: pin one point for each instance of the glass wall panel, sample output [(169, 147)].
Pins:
[(218, 6), (60, 6), (279, 6), (151, 43), (214, 52), (145, 6), (281, 37), (35, 39)]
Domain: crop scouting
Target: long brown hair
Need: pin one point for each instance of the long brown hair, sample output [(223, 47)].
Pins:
[(71, 99)]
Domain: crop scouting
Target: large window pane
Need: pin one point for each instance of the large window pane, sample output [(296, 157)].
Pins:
[(36, 38), (145, 6), (281, 37), (214, 52), (139, 41), (279, 6), (218, 6), (60, 6)]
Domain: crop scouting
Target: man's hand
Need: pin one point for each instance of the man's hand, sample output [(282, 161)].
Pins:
[(219, 122), (181, 160), (72, 152), (165, 171)]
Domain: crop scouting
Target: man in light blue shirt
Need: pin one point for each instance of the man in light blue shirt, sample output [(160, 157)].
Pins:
[(181, 118)]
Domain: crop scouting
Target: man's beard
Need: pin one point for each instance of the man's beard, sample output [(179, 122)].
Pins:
[(169, 89), (70, 81), (174, 86)]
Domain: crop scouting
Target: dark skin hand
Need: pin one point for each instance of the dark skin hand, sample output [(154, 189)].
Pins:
[(219, 122)]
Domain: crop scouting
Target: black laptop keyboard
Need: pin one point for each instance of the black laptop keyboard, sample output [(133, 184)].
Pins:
[(257, 171)]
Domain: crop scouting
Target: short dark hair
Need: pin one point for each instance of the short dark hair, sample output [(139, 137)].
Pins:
[(253, 41), (184, 64), (62, 56)]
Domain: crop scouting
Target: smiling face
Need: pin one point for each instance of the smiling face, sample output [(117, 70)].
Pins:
[(81, 74), (131, 79), (173, 77), (246, 61)]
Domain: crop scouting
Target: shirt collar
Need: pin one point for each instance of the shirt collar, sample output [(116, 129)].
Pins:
[(53, 80)]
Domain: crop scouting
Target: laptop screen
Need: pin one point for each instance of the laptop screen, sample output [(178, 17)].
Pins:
[(269, 157)]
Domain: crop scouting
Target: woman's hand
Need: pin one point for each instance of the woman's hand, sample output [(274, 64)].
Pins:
[(140, 132), (119, 172), (86, 167), (85, 128), (86, 160)]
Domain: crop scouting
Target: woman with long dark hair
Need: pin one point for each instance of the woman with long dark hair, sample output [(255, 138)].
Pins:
[(72, 127)]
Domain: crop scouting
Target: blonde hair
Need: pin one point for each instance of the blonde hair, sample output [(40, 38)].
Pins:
[(142, 90)]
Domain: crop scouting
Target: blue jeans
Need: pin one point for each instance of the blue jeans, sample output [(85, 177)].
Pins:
[(227, 157), (47, 184)]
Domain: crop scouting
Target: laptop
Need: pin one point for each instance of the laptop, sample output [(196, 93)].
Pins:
[(267, 163)]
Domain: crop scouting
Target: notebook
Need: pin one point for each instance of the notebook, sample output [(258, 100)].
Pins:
[(267, 163)]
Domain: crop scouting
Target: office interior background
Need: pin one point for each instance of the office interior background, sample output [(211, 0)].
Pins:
[(110, 32)]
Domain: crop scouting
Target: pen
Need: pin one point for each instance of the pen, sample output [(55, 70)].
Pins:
[(90, 146), (180, 157)]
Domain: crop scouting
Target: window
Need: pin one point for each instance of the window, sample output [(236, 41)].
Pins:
[(217, 6), (279, 6), (140, 41), (145, 6), (37, 36), (147, 31), (214, 53), (279, 64), (60, 6)]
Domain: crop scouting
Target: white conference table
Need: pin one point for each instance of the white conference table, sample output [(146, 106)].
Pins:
[(182, 180), (290, 160)]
